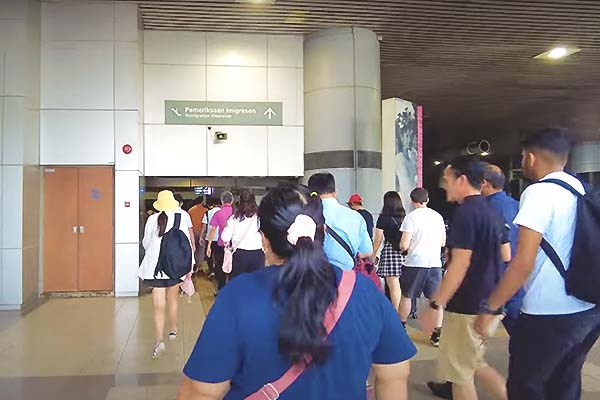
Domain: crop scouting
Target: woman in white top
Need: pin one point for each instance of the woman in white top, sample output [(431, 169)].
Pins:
[(242, 230), (164, 289)]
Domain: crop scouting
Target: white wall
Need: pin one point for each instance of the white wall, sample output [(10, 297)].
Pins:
[(91, 106), (103, 85), (223, 67), (90, 72), (19, 152)]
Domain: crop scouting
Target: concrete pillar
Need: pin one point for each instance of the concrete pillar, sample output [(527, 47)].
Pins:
[(342, 111), (585, 157)]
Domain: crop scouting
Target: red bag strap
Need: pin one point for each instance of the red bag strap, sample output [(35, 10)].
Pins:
[(272, 391)]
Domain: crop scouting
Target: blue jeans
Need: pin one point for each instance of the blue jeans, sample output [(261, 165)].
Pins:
[(547, 353)]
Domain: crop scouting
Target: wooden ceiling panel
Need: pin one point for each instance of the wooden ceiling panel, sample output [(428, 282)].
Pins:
[(469, 62)]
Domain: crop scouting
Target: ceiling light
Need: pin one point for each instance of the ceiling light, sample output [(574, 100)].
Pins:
[(485, 153), (256, 1), (436, 163), (558, 52)]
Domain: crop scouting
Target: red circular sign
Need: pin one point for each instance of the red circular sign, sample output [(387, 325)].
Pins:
[(127, 149)]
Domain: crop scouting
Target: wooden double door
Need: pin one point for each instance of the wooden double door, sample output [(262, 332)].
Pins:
[(78, 229)]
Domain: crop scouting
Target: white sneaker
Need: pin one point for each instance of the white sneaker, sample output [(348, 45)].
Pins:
[(159, 350), (172, 335)]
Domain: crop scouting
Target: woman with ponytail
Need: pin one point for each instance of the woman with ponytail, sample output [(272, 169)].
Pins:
[(292, 319), (165, 291)]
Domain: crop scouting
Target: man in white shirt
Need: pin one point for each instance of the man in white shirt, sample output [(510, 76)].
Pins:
[(555, 331), (423, 236)]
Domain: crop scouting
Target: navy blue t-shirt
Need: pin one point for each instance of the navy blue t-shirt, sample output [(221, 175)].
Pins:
[(239, 342), (477, 226), (368, 219)]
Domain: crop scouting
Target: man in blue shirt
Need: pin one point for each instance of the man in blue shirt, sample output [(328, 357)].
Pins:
[(493, 188), (347, 223)]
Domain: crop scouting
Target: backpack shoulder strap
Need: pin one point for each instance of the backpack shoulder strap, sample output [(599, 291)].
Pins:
[(545, 245), (177, 222), (273, 390), (341, 241), (553, 256), (562, 184)]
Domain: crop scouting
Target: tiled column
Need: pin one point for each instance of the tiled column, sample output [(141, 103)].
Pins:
[(20, 179)]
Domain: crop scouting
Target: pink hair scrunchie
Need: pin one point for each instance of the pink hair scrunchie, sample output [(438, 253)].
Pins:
[(303, 226)]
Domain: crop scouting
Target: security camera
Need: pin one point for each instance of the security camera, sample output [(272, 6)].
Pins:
[(220, 136)]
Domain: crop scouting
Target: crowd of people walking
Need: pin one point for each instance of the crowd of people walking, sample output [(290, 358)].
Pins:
[(293, 320)]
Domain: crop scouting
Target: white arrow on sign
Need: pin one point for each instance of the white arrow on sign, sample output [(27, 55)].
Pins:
[(176, 112), (270, 112)]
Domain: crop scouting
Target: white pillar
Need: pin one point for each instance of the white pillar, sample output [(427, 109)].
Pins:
[(585, 157), (342, 110)]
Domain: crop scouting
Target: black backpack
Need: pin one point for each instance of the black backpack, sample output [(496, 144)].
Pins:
[(175, 257), (582, 279)]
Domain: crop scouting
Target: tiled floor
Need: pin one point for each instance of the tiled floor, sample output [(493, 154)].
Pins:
[(99, 348)]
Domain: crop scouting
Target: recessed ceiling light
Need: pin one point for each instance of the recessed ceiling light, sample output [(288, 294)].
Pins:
[(558, 52), (485, 153), (437, 163)]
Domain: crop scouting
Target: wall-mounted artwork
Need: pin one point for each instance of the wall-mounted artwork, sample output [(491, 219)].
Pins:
[(402, 147)]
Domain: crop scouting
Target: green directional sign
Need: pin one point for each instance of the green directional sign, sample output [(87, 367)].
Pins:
[(181, 112)]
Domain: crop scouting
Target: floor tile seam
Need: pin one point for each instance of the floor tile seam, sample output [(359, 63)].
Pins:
[(116, 313), (127, 343), (594, 377)]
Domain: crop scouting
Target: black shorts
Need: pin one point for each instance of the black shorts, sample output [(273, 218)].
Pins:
[(416, 281), (161, 283)]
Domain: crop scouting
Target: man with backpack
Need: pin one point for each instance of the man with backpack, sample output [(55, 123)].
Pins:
[(559, 266)]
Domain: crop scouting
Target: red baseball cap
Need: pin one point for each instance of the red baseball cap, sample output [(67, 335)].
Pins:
[(355, 198)]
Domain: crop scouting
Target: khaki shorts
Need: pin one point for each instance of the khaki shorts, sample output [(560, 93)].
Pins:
[(462, 350)]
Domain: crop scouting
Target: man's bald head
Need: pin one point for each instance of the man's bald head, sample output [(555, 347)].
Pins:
[(494, 176)]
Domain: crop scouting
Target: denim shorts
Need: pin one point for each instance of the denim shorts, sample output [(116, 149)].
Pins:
[(416, 281)]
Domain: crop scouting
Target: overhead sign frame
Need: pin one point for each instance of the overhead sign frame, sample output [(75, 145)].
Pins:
[(255, 113)]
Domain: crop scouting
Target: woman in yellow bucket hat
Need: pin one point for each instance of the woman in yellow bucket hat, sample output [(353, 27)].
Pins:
[(165, 291)]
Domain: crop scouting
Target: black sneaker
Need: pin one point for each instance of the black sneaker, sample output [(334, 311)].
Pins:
[(441, 390), (435, 337)]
